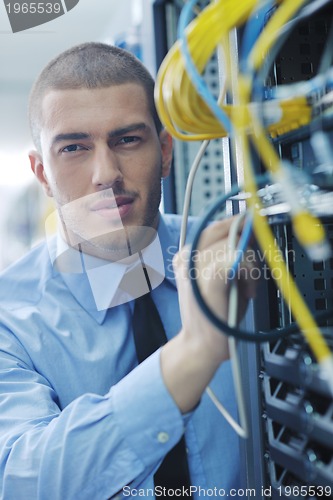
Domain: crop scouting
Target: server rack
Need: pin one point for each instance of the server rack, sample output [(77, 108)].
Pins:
[(296, 407), (290, 409)]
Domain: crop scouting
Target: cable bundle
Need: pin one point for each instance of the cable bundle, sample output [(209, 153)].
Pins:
[(190, 112), (183, 100)]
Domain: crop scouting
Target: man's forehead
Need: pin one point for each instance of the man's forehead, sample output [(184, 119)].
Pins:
[(83, 109), (78, 93), (64, 100)]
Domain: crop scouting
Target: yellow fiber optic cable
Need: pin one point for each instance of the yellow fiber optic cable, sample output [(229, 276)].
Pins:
[(296, 113), (175, 95), (262, 230), (188, 117), (183, 112), (307, 227), (181, 108), (272, 253)]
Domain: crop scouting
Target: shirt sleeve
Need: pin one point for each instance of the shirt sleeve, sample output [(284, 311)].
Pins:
[(93, 447)]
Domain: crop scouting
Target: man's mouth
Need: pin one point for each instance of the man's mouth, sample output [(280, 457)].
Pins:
[(113, 207)]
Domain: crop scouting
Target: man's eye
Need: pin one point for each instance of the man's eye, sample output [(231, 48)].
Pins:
[(72, 148), (128, 139)]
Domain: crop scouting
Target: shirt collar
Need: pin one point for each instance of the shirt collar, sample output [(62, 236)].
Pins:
[(96, 283)]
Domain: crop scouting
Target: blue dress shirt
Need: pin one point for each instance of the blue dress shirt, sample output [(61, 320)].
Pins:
[(78, 418)]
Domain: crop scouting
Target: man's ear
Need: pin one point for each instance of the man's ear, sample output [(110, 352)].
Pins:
[(166, 148), (37, 166)]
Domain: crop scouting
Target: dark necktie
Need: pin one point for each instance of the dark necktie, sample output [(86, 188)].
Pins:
[(149, 335)]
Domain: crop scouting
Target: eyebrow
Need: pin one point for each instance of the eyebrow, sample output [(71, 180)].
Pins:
[(125, 130), (74, 136), (78, 136)]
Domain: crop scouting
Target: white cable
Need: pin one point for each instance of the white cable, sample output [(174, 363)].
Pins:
[(188, 192), (242, 429)]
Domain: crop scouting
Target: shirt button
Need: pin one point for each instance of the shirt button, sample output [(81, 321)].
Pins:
[(163, 437)]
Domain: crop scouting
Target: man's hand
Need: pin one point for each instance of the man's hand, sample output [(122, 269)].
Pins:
[(213, 263), (190, 360), (200, 347)]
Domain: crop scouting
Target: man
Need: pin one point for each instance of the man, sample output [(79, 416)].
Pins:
[(79, 418)]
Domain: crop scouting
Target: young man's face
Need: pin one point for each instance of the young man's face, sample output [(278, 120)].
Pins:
[(102, 160)]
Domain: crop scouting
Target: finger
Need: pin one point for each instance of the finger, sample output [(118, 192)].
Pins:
[(181, 258), (217, 231)]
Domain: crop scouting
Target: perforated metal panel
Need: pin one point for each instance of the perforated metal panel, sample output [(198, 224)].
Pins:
[(315, 279), (300, 56), (209, 181)]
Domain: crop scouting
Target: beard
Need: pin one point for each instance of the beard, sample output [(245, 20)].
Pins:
[(110, 238)]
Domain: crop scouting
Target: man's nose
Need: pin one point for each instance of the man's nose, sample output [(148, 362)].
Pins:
[(106, 168)]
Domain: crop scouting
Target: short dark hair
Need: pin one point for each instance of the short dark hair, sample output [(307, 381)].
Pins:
[(89, 65)]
